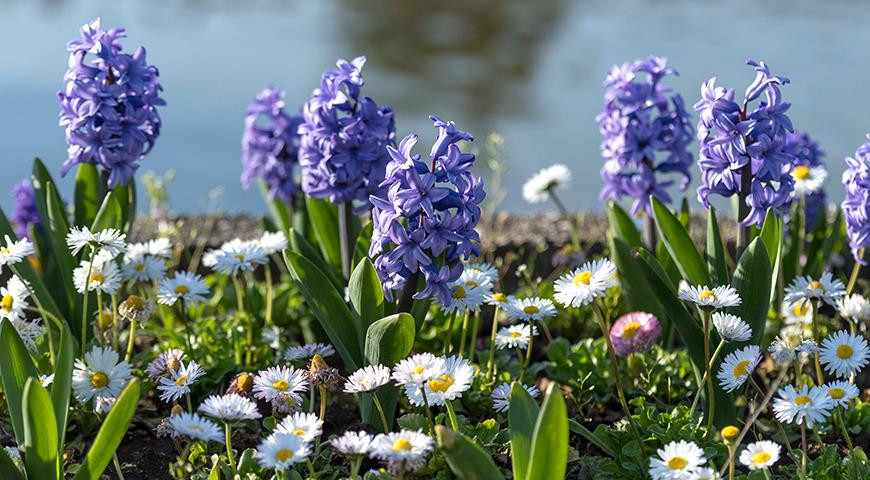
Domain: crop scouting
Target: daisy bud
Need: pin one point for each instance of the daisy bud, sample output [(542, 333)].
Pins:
[(729, 433), (105, 320), (173, 363), (245, 382), (176, 409)]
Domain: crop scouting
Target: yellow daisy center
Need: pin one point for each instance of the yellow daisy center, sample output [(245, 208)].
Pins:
[(182, 290), (761, 457), (7, 302), (441, 384), (281, 385), (5, 251), (457, 292), (181, 380), (419, 369), (630, 329), (140, 266), (471, 284), (97, 278), (402, 445), (283, 455), (741, 369), (800, 309), (801, 172), (196, 428), (730, 432), (677, 463), (105, 320), (803, 400), (499, 297), (298, 432), (99, 380), (707, 294), (583, 277), (844, 352), (516, 334), (136, 302), (240, 257), (836, 393), (815, 285), (531, 309)]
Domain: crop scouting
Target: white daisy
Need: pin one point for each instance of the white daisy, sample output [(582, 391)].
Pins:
[(840, 392), (191, 425), (304, 352), (731, 327), (185, 286), (797, 313), (468, 292), (230, 407), (271, 336), (844, 354), (14, 251), (145, 269), (806, 405), (281, 451), (485, 268), (102, 405), (854, 307), (418, 369), (136, 308), (165, 361), (13, 299), (808, 180), (790, 342), (501, 396), (105, 276), (723, 296), (403, 450), (236, 256), (111, 240), (281, 386), (537, 188), (30, 331), (737, 367), (449, 384), (760, 455), (514, 336), (46, 380), (581, 286), (352, 443), (826, 288), (179, 381), (367, 379), (158, 247), (306, 426), (272, 242), (499, 299), (100, 375), (677, 461), (530, 309), (706, 473)]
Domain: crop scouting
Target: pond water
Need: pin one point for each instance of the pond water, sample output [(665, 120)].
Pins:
[(529, 70)]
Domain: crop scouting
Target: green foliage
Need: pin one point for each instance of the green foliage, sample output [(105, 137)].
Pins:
[(467, 459)]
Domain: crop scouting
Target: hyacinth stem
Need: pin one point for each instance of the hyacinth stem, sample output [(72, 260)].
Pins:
[(490, 364), (406, 297), (464, 333), (228, 433), (380, 411), (856, 269), (449, 334), (131, 341), (649, 232), (85, 302), (710, 398), (575, 239), (452, 415), (428, 411), (345, 224), (706, 372)]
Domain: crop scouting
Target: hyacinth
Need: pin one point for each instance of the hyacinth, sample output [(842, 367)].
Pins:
[(808, 154), (425, 220), (270, 144), (343, 138), (753, 133), (856, 205), (109, 104), (25, 213), (646, 132)]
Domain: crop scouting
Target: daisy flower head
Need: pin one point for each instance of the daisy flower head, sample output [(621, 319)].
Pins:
[(418, 369), (105, 276), (405, 449), (808, 180), (111, 240), (723, 296), (193, 426), (583, 285), (272, 242), (14, 251), (145, 269), (229, 408), (136, 308), (304, 352), (855, 307), (807, 405), (101, 374), (737, 367), (367, 379), (468, 292), (281, 386), (449, 384), (352, 443), (280, 451), (841, 392), (797, 313), (844, 354), (487, 269), (306, 426), (634, 332), (706, 473), (538, 188), (514, 336), (46, 380), (499, 299), (731, 327), (236, 256), (158, 247), (501, 396), (178, 383), (805, 289), (188, 287), (530, 309), (30, 331), (677, 461), (760, 455), (102, 405), (165, 361), (13, 299)]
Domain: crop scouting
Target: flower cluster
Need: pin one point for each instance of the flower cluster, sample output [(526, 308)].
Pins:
[(646, 132), (736, 141), (270, 144), (343, 137), (856, 205), (427, 214), (109, 104), (25, 214)]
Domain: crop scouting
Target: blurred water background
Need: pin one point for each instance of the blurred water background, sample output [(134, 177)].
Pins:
[(529, 70)]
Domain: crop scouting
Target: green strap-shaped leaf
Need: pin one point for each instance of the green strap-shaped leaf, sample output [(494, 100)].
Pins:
[(366, 294), (679, 245), (522, 416), (126, 198), (111, 433), (8, 470), (591, 437), (303, 247), (771, 233), (62, 384), (16, 366), (87, 198), (40, 433), (110, 214), (716, 263), (324, 220), (833, 236), (635, 288), (277, 208), (388, 341), (467, 459), (752, 280), (622, 226), (363, 242), (548, 459)]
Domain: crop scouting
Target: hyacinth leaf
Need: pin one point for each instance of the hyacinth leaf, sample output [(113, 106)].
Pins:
[(635, 289), (110, 213), (40, 433), (826, 240), (388, 341), (111, 433), (278, 210), (87, 197), (8, 470), (125, 195), (715, 251), (328, 306), (467, 459), (363, 242), (522, 416), (622, 226), (300, 245), (679, 245), (16, 366), (324, 220), (752, 280), (771, 235), (548, 456), (366, 294), (685, 215), (62, 384)]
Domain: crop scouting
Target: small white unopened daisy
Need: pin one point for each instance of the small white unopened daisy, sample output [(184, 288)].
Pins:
[(306, 426), (105, 276), (677, 461), (185, 286), (13, 299), (530, 309), (808, 405), (230, 408), (514, 336), (826, 288), (165, 361), (808, 180), (449, 384), (281, 451), (236, 256), (46, 380), (418, 369), (145, 269), (737, 367), (102, 405), (583, 285), (486, 269), (844, 354), (352, 443), (14, 251), (272, 242), (707, 298), (111, 240), (281, 386), (101, 374), (501, 396), (304, 352), (731, 327), (797, 313), (841, 392), (537, 188), (855, 307), (191, 425), (404, 450), (760, 455), (179, 381), (367, 379)]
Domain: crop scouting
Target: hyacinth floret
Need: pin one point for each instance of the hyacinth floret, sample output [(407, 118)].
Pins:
[(856, 204), (25, 213)]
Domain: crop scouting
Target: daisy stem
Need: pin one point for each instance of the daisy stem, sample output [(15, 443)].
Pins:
[(380, 411), (311, 472), (804, 449), (428, 411), (281, 474), (472, 335), (311, 400), (322, 389), (449, 334), (85, 302), (99, 313), (856, 269), (242, 315), (575, 240), (528, 358), (452, 414), (710, 398), (189, 403), (401, 474), (490, 364), (182, 313), (731, 450), (820, 379), (228, 432), (269, 293), (131, 341), (704, 378), (114, 322), (117, 465), (464, 332), (838, 418), (354, 467), (785, 439)]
